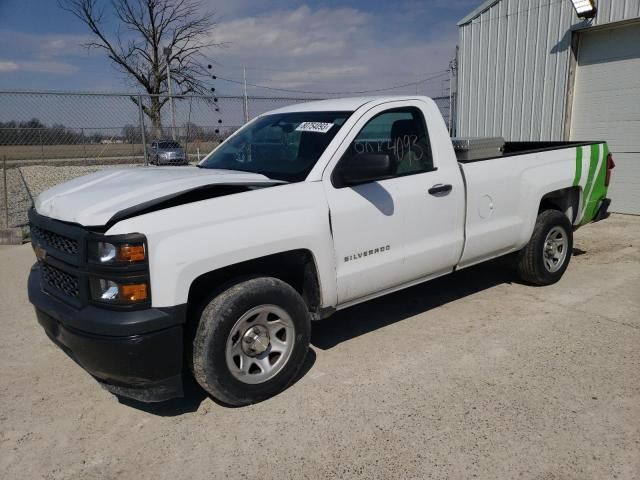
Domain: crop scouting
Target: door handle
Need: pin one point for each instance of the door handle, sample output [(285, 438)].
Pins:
[(440, 188)]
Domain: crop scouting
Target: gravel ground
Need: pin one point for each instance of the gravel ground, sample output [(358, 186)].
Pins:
[(26, 182), (468, 376), (18, 199)]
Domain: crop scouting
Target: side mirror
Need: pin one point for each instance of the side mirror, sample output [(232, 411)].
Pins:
[(363, 168)]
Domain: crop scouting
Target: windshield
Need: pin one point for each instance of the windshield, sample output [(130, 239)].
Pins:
[(169, 145), (282, 146)]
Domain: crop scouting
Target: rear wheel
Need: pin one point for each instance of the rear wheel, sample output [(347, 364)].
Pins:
[(251, 341), (545, 258)]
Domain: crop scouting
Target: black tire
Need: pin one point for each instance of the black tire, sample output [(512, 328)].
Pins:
[(530, 265), (217, 320)]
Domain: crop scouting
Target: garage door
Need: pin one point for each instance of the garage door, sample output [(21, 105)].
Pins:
[(606, 105)]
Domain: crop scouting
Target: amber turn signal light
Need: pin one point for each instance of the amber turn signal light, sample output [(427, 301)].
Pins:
[(131, 253), (133, 292)]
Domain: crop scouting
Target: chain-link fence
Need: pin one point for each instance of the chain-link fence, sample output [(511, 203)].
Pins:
[(48, 127), (40, 130), (45, 127)]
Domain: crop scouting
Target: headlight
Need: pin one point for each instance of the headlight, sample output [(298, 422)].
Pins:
[(107, 253), (109, 291)]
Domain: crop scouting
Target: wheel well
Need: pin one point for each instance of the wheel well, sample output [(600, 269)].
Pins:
[(565, 200), (295, 267)]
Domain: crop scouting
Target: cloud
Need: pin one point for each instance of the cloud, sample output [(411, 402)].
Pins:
[(298, 32), (49, 67), (7, 66), (49, 54), (334, 45), (45, 46), (31, 66), (338, 49), (63, 45), (319, 73)]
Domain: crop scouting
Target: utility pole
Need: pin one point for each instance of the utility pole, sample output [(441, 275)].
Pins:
[(6, 193), (143, 135), (246, 100), (450, 99), (167, 52), (453, 65)]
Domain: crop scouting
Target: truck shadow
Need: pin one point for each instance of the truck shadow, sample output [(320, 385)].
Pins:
[(378, 313), (359, 320), (194, 395)]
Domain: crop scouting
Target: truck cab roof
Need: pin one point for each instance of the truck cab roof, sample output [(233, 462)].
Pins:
[(344, 104)]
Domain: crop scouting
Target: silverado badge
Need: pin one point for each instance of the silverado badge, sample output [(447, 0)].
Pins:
[(373, 251)]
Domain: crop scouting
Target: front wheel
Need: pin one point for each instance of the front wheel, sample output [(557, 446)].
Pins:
[(545, 258), (251, 341)]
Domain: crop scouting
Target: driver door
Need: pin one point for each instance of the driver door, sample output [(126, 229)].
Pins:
[(365, 219), (393, 231)]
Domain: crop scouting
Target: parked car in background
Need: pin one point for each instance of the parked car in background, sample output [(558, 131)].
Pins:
[(167, 152)]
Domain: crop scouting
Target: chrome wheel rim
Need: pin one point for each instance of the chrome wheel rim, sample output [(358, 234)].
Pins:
[(555, 249), (260, 344)]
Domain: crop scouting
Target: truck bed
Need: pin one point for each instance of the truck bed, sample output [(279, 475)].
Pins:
[(523, 148)]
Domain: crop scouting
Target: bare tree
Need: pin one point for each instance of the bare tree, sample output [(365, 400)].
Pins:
[(145, 28), (131, 133)]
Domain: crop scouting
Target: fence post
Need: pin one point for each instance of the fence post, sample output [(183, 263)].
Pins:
[(41, 144), (186, 143), (245, 103), (6, 193), (84, 144), (142, 134)]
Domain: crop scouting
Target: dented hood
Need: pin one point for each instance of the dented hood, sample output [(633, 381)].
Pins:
[(98, 198)]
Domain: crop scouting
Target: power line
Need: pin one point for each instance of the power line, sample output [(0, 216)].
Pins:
[(392, 87), (220, 66)]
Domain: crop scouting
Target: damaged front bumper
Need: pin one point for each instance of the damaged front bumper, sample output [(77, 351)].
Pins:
[(136, 354)]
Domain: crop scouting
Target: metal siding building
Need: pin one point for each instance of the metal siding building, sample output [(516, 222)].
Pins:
[(533, 70)]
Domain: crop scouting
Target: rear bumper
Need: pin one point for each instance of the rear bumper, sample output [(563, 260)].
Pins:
[(171, 161), (140, 357), (603, 210)]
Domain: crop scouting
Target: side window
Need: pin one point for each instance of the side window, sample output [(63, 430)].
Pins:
[(400, 133)]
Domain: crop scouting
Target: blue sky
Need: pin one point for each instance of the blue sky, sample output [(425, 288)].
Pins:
[(331, 45)]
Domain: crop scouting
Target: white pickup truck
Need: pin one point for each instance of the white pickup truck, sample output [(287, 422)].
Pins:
[(145, 272)]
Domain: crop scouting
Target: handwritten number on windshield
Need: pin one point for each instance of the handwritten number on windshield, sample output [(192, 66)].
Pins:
[(401, 146)]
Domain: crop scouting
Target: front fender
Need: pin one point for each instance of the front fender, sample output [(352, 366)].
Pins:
[(190, 240)]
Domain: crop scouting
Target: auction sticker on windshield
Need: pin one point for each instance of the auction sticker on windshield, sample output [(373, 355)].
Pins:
[(319, 127)]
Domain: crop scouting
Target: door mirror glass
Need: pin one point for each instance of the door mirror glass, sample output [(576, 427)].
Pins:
[(364, 168)]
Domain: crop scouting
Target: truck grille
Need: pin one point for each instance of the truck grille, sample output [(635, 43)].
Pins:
[(61, 281), (55, 240)]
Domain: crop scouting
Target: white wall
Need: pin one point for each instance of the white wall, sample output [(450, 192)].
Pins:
[(513, 66)]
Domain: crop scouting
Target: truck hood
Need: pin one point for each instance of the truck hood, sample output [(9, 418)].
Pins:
[(110, 195)]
